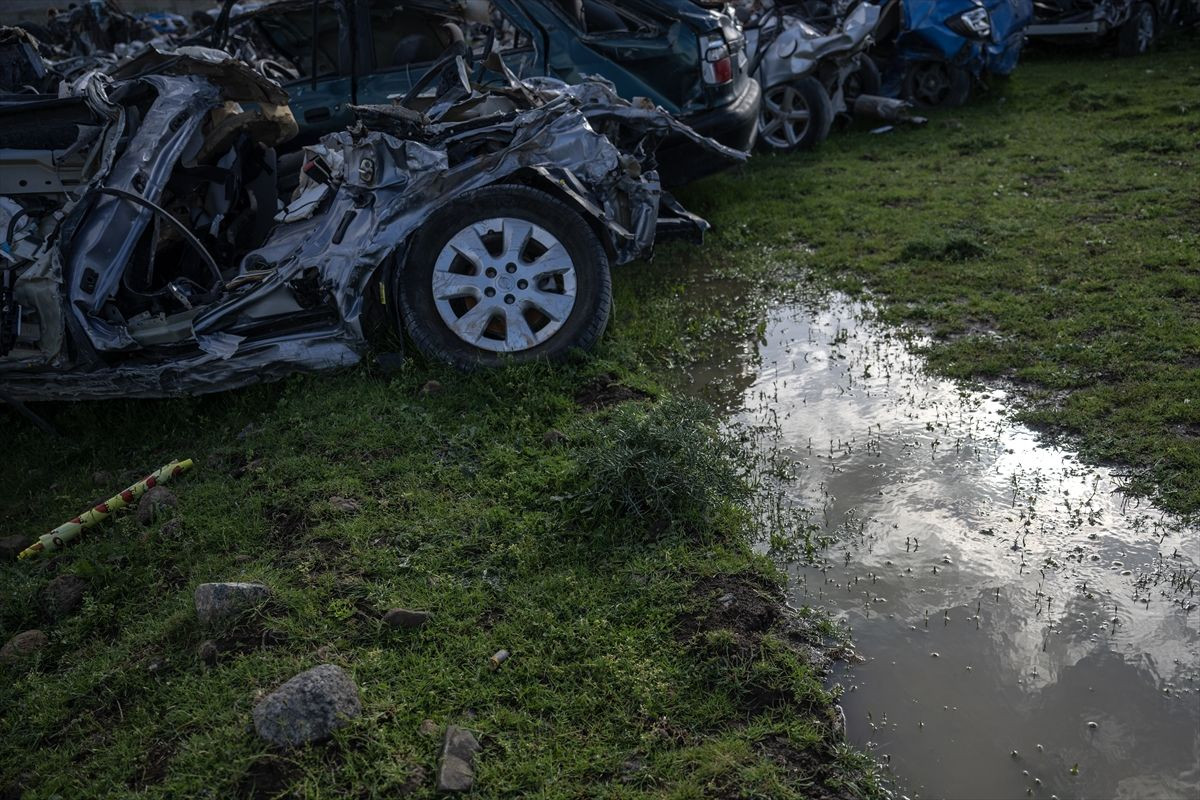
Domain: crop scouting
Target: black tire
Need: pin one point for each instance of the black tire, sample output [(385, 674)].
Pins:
[(936, 84), (1136, 36), (865, 79), (413, 283), (815, 99)]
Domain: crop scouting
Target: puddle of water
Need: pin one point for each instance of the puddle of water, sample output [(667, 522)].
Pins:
[(1028, 630)]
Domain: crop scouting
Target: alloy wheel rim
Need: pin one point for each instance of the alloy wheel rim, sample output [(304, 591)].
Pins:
[(504, 284), (785, 116), (931, 84)]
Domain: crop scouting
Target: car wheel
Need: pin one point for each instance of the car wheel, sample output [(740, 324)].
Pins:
[(796, 115), (932, 84), (1137, 35), (865, 79), (504, 273)]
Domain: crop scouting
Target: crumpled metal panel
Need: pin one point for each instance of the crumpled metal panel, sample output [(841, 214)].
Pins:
[(925, 36), (795, 52)]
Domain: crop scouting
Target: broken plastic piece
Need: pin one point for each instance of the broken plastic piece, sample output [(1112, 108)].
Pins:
[(58, 538)]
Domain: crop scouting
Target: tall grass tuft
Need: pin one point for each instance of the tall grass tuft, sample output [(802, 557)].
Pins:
[(662, 466)]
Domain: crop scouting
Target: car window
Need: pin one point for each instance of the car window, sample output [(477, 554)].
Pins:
[(508, 36), (290, 32), (600, 17), (403, 38)]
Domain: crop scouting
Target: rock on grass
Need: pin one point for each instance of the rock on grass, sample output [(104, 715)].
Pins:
[(406, 618), (307, 708), (216, 601), (63, 595), (23, 644), (156, 503), (457, 770), (11, 546)]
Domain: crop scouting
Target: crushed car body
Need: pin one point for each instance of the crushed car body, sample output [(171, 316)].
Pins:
[(1134, 24), (934, 51), (808, 75), (148, 252)]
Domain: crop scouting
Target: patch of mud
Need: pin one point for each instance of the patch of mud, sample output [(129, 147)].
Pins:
[(153, 770), (745, 604), (604, 391), (286, 524), (268, 776)]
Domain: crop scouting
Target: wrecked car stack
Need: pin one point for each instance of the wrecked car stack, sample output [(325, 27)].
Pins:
[(148, 251), (175, 221)]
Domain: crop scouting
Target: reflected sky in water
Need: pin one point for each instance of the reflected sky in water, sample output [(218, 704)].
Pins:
[(1005, 596)]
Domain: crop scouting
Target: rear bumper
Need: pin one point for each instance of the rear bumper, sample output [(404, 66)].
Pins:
[(734, 125)]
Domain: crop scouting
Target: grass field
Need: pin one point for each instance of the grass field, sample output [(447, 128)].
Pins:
[(1046, 236)]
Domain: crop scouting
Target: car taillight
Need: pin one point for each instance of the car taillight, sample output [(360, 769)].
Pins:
[(718, 66)]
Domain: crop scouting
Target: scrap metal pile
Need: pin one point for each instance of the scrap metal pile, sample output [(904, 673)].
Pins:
[(194, 206)]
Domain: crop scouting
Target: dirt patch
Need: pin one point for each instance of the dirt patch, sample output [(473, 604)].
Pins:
[(268, 776), (604, 391), (747, 605), (286, 523), (806, 767), (154, 770)]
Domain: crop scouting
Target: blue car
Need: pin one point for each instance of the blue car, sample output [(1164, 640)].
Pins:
[(934, 52)]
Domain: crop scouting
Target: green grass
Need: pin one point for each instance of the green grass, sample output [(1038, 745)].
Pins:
[(463, 509), (1046, 236)]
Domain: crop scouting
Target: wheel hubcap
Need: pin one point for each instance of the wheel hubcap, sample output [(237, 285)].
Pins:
[(504, 284), (785, 117)]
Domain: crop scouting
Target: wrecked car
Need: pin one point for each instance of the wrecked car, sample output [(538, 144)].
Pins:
[(935, 52), (1134, 24), (808, 75), (148, 251), (332, 54)]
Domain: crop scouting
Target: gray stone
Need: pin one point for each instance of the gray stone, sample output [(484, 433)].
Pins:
[(308, 708), (23, 644), (553, 437), (158, 502), (457, 770), (347, 505), (11, 546), (216, 601), (64, 595), (405, 618), (431, 387), (427, 728), (208, 651)]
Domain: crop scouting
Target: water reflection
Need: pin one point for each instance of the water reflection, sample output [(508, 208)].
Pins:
[(1028, 629)]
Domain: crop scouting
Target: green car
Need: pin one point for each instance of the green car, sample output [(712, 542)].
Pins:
[(331, 54)]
